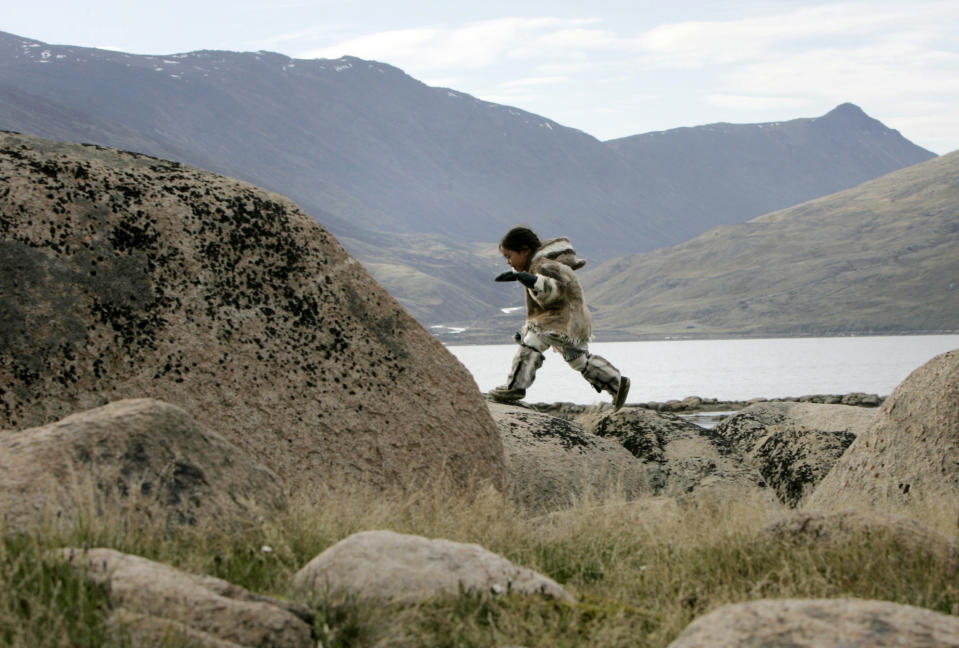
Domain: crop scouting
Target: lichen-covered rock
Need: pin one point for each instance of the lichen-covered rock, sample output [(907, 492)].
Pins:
[(152, 602), (793, 445), (820, 623), (910, 452), (681, 457), (134, 458), (126, 276), (551, 461), (401, 568)]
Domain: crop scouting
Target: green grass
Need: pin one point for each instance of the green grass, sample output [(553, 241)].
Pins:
[(641, 571)]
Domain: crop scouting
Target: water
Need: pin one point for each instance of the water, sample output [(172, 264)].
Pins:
[(724, 369)]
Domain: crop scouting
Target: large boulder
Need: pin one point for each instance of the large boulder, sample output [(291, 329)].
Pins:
[(552, 461), (155, 604), (399, 568), (680, 456), (793, 445), (141, 458), (125, 276), (910, 454), (820, 623)]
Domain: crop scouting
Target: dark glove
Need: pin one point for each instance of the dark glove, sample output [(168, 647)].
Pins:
[(528, 279)]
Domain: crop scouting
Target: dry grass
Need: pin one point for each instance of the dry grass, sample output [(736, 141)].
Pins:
[(641, 570)]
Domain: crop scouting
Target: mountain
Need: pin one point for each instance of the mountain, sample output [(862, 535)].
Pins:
[(752, 169), (878, 258), (419, 182)]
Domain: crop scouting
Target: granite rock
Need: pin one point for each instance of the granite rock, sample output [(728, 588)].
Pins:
[(141, 460), (127, 276), (400, 568)]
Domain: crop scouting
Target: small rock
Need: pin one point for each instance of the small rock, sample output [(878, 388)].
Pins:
[(692, 402), (153, 602), (400, 568), (820, 623)]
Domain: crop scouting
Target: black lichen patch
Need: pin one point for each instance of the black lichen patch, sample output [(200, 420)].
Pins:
[(556, 429), (644, 439), (786, 464), (134, 234)]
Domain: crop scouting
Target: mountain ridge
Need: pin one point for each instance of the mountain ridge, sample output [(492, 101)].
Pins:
[(419, 182)]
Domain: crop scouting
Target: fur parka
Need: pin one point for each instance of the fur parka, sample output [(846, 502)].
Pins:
[(555, 302)]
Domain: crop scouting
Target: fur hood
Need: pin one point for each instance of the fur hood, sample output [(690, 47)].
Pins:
[(558, 249)]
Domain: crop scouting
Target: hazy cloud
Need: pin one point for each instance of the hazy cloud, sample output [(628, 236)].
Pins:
[(535, 81), (473, 45)]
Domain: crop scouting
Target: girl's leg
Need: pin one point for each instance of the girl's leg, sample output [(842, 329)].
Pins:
[(528, 359), (598, 372)]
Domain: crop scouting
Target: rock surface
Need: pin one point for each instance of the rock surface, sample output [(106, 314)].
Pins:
[(136, 457), (551, 461), (395, 567), (153, 602), (910, 453), (126, 276), (793, 445), (681, 457), (820, 623)]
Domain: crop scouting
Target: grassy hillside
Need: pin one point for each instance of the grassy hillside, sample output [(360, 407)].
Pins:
[(882, 257)]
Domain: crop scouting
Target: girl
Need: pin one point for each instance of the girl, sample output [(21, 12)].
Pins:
[(556, 316)]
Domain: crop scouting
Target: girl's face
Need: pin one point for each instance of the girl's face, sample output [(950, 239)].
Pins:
[(517, 259)]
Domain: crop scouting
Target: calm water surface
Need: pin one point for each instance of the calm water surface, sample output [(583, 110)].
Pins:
[(724, 369)]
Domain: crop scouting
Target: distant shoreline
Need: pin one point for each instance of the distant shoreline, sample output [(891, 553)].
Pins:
[(480, 338)]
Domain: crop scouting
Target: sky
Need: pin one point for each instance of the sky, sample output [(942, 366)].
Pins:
[(610, 68)]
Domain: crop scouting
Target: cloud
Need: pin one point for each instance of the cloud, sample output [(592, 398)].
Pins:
[(535, 81), (883, 70), (702, 43), (473, 45)]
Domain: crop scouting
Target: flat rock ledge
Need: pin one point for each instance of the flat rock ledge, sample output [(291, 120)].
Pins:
[(701, 404), (551, 461), (399, 568), (820, 623)]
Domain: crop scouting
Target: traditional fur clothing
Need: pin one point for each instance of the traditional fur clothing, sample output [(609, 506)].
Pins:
[(556, 316), (555, 303)]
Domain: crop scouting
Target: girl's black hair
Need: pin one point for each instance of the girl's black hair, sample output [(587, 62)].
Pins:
[(519, 238)]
